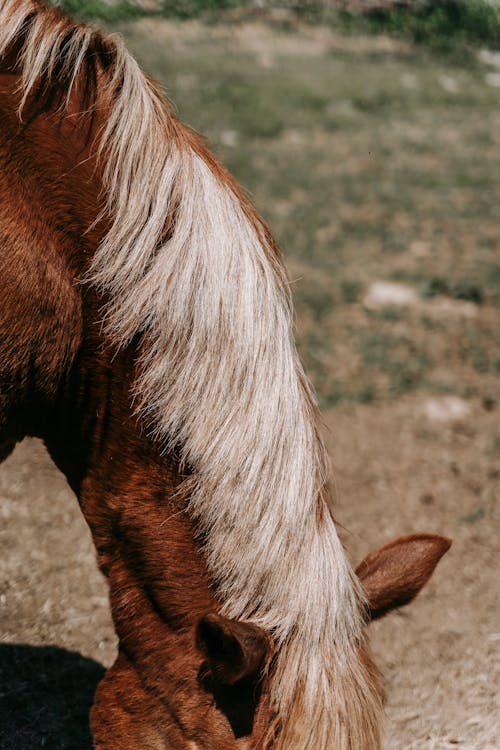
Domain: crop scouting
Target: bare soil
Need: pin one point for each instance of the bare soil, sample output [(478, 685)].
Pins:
[(396, 473)]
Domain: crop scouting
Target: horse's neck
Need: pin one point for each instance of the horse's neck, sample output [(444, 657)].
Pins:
[(132, 496), (133, 501)]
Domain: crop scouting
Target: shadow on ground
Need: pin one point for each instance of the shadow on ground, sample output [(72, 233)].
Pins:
[(45, 698)]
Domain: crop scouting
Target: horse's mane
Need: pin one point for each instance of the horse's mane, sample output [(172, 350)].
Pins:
[(189, 266)]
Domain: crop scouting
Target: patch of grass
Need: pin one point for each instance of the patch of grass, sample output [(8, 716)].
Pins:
[(195, 8), (319, 302), (433, 287), (367, 394), (460, 289), (334, 396), (119, 10), (341, 392), (442, 25), (403, 187), (88, 10), (427, 435), (481, 348), (432, 324), (392, 313), (399, 357), (315, 352), (495, 446), (350, 290), (491, 274), (437, 386), (452, 21)]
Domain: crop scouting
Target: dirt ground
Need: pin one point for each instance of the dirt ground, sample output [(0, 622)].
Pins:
[(397, 472)]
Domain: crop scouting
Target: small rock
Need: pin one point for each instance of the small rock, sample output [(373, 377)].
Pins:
[(489, 58), (493, 79), (229, 138), (293, 137), (446, 409), (448, 84), (385, 293)]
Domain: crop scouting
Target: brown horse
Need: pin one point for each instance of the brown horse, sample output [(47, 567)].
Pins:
[(145, 335)]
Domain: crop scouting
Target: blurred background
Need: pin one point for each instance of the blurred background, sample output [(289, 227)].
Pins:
[(367, 134)]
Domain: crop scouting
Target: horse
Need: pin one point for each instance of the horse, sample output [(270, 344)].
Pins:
[(146, 338)]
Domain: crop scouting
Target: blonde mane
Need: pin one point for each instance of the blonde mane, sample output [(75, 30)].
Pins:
[(189, 266)]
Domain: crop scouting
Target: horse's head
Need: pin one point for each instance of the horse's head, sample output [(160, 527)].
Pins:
[(235, 655)]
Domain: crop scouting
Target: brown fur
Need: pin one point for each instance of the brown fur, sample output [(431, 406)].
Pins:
[(59, 380), (185, 677)]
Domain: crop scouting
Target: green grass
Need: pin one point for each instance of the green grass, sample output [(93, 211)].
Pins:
[(440, 24), (495, 446), (459, 289), (88, 10), (356, 156), (443, 25), (476, 515), (404, 362), (370, 162), (126, 9)]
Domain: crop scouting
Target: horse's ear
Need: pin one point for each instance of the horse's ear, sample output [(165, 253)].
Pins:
[(233, 650), (394, 574)]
